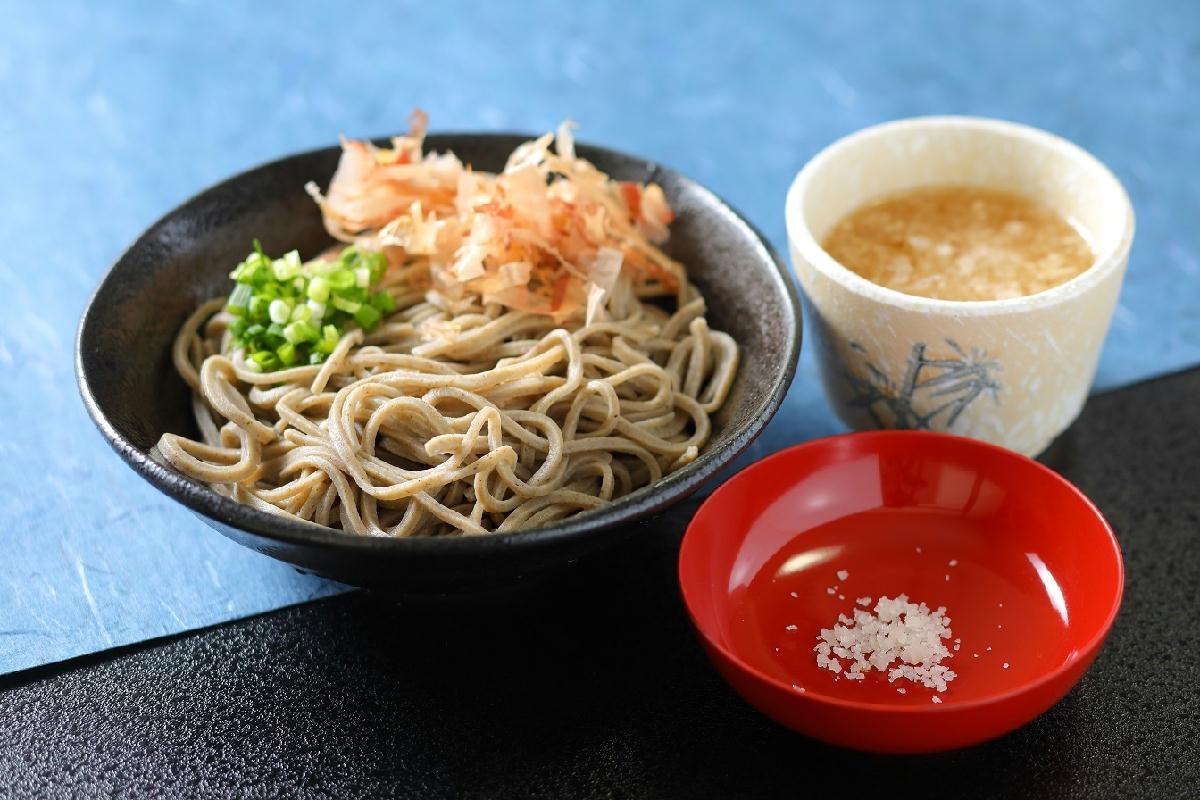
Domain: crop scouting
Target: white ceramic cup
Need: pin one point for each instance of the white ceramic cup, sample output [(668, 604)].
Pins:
[(1015, 372)]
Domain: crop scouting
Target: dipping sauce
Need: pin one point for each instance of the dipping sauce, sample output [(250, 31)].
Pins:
[(960, 243)]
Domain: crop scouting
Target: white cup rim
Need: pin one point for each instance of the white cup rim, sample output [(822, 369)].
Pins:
[(803, 240)]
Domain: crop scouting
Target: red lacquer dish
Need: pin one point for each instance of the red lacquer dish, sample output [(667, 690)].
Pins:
[(1028, 570)]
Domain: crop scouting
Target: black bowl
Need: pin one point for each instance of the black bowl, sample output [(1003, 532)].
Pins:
[(133, 394)]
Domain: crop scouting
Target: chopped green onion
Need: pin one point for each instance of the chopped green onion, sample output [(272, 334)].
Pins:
[(258, 307), (377, 264), (341, 279), (384, 301), (252, 271), (290, 312), (266, 360), (279, 311), (286, 353), (239, 299), (282, 270), (354, 294), (318, 290), (287, 267), (368, 317), (301, 331)]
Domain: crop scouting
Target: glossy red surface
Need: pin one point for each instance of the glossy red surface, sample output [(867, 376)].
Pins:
[(1024, 564)]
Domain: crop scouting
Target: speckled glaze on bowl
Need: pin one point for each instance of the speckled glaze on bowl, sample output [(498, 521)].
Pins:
[(133, 394)]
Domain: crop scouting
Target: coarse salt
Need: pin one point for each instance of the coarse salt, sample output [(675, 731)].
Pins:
[(937, 699), (864, 601), (954, 562), (897, 632), (842, 574)]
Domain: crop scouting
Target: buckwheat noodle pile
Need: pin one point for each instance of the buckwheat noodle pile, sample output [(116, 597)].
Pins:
[(544, 356)]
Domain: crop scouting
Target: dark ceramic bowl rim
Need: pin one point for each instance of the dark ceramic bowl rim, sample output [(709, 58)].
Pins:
[(639, 504)]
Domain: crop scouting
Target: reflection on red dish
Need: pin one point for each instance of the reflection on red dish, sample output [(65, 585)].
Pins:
[(1037, 577)]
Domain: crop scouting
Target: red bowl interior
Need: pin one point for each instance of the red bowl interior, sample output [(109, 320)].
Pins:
[(1027, 568)]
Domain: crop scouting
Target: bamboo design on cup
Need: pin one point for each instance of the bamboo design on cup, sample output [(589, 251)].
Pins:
[(942, 385)]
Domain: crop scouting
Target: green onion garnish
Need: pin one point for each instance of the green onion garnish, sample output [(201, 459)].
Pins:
[(318, 289), (300, 332), (384, 301), (280, 311), (286, 353), (289, 312), (367, 317), (239, 299)]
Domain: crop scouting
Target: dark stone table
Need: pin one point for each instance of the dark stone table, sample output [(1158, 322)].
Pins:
[(591, 684)]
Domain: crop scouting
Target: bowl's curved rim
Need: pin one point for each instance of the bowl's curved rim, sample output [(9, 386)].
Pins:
[(1050, 676), (639, 504)]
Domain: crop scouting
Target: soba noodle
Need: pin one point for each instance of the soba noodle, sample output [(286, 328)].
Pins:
[(468, 417)]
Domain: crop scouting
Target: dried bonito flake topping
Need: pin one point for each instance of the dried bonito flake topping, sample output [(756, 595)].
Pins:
[(549, 234)]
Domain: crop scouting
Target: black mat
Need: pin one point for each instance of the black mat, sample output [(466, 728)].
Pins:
[(592, 685)]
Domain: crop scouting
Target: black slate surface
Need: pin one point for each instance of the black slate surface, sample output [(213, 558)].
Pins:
[(592, 684)]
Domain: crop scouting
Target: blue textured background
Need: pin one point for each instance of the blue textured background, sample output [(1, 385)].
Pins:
[(112, 113)]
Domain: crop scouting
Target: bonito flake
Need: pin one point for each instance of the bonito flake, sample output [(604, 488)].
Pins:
[(549, 234)]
